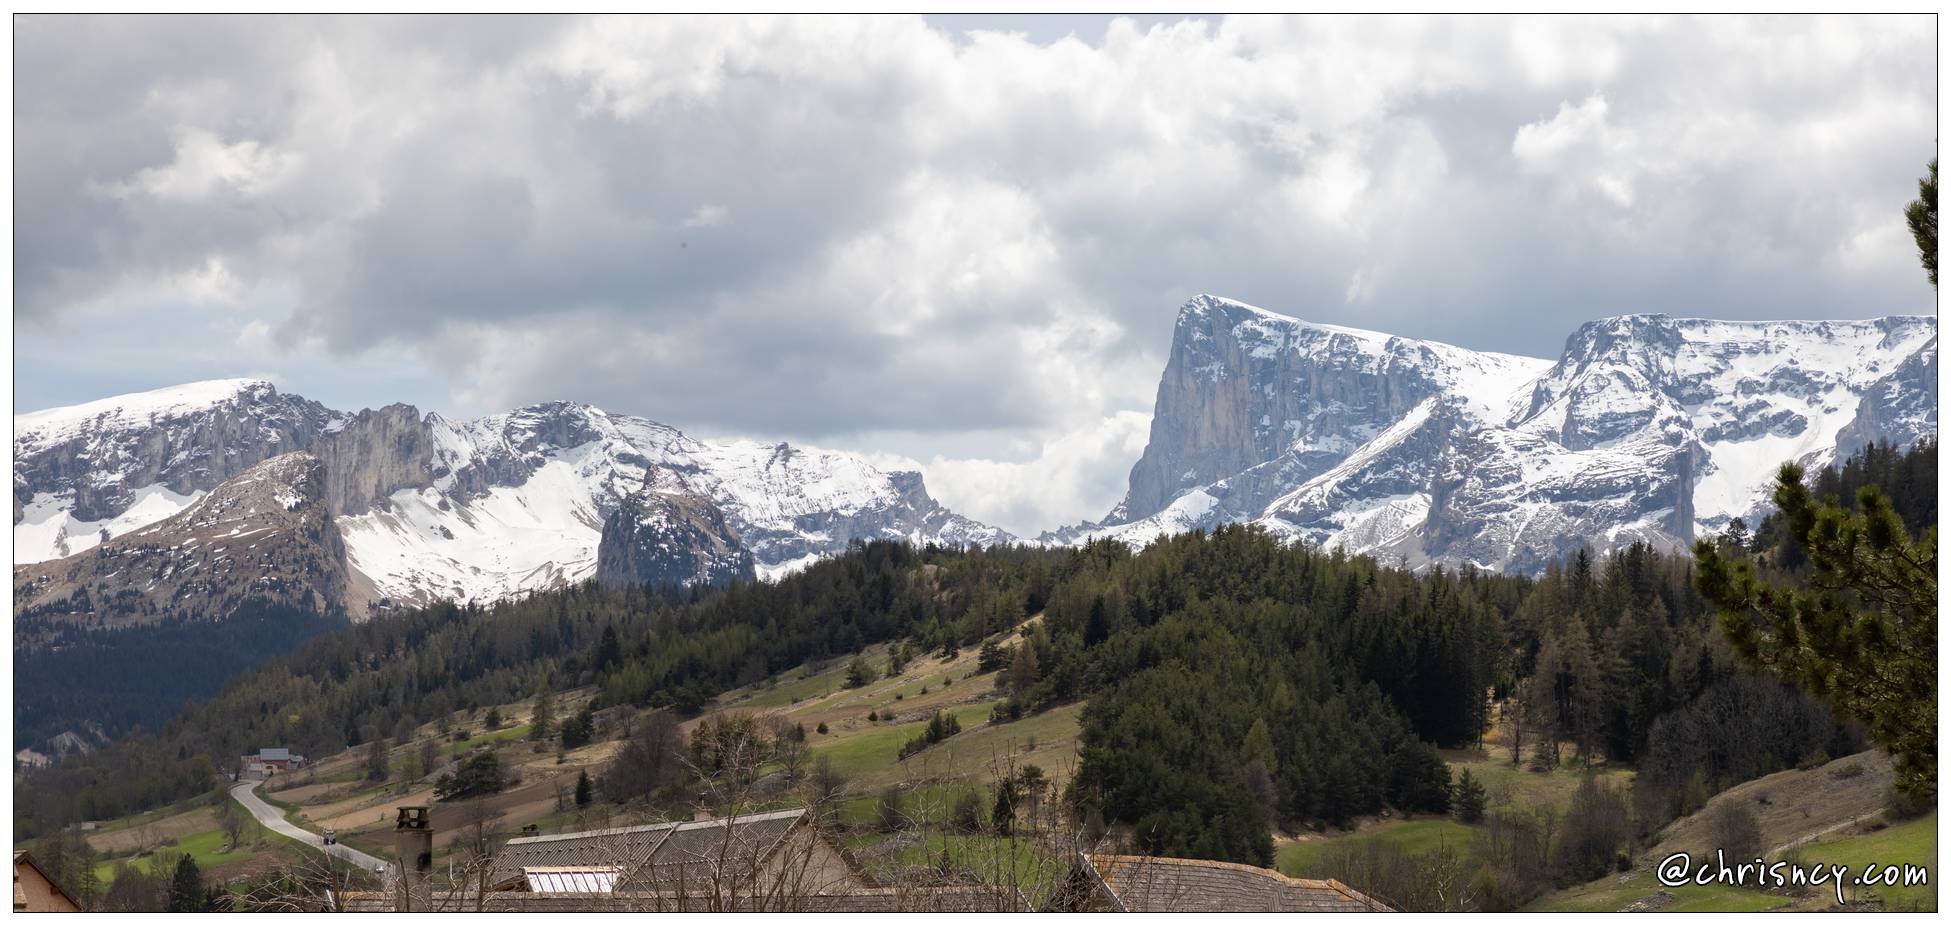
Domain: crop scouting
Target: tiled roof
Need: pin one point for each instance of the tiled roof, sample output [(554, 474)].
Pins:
[(955, 899), (1145, 884)]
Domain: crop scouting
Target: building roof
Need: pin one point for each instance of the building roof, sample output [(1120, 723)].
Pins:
[(274, 754), (1147, 884), (586, 879), (950, 899), (655, 857), (20, 898)]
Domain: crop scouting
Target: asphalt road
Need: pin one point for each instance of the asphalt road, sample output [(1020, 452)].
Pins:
[(246, 794)]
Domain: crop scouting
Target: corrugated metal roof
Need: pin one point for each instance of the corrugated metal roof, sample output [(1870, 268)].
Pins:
[(281, 753), (655, 856), (566, 880)]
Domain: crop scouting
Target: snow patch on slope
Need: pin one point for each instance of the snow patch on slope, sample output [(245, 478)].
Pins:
[(48, 529)]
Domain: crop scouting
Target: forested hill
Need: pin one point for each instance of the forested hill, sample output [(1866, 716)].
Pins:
[(1234, 682), (646, 646)]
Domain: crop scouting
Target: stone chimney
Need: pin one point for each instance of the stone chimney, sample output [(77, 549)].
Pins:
[(413, 840)]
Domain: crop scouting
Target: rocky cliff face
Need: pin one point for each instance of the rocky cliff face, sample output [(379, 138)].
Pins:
[(432, 508), (670, 536), (265, 535), (1245, 388), (373, 454), (1646, 428), (108, 467)]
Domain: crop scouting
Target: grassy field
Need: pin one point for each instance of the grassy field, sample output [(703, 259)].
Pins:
[(1610, 894), (1506, 786), (205, 847), (497, 737), (1911, 842), (1301, 857)]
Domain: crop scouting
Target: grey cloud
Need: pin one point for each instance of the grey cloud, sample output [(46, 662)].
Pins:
[(827, 228)]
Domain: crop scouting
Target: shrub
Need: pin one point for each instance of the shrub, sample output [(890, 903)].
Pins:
[(859, 673), (942, 726), (891, 810), (480, 774), (966, 817), (1733, 828)]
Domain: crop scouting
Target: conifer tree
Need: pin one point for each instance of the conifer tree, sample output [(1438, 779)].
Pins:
[(542, 718), (376, 759), (1469, 800), (1860, 631), (1922, 216), (186, 892)]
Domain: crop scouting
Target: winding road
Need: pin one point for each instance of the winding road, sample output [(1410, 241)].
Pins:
[(246, 794)]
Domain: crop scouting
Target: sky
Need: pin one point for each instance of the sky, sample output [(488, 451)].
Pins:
[(956, 243)]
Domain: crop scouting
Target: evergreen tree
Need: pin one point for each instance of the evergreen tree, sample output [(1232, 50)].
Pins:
[(376, 759), (1922, 216), (859, 673), (186, 891), (542, 718), (579, 730), (1003, 816), (585, 790), (1469, 800), (609, 650), (480, 774), (1860, 631), (992, 657)]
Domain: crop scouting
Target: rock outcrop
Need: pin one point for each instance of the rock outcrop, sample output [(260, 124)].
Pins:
[(670, 536)]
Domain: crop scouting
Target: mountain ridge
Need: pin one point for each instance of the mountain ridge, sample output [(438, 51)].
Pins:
[(431, 507), (1646, 428)]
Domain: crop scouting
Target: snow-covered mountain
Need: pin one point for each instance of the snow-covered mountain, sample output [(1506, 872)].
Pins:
[(1645, 428), (431, 508), (264, 536), (88, 472), (519, 502)]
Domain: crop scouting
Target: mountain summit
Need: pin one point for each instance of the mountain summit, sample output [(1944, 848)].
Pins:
[(1646, 428)]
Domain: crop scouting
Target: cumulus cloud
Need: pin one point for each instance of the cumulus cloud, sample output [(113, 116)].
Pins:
[(957, 245)]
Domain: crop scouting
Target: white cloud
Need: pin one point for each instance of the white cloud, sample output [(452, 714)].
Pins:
[(206, 167), (1080, 470), (815, 229), (706, 216), (255, 338)]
